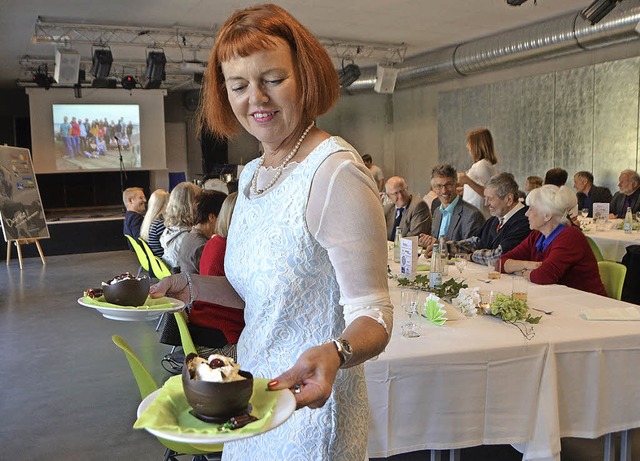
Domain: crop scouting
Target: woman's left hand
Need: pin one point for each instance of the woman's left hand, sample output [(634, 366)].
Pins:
[(312, 376)]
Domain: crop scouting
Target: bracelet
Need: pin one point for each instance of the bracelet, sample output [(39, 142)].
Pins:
[(190, 285)]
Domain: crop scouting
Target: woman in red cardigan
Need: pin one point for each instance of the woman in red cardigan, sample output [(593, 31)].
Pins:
[(556, 251), (206, 318)]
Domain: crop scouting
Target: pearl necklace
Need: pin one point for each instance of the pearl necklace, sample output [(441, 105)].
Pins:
[(280, 168)]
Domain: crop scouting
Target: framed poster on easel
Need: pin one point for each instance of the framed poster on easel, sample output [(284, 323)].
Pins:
[(21, 212)]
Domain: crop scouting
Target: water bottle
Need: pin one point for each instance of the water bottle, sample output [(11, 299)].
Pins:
[(435, 271), (444, 252), (396, 246), (628, 221)]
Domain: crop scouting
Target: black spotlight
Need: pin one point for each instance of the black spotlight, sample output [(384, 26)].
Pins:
[(348, 75), (42, 79), (515, 2), (102, 60), (128, 82), (155, 73), (598, 10)]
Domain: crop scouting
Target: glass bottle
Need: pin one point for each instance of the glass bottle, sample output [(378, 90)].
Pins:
[(435, 271), (396, 246), (628, 221), (444, 252)]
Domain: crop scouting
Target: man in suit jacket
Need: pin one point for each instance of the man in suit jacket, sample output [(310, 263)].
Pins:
[(454, 218), (587, 193), (407, 211), (504, 230), (629, 195)]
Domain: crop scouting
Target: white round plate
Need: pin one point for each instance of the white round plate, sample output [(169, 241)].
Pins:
[(134, 315), (283, 409)]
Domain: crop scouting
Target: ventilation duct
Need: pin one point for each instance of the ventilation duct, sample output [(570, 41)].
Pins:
[(549, 39)]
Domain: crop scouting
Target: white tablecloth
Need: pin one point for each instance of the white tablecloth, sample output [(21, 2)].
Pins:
[(613, 243), (478, 381)]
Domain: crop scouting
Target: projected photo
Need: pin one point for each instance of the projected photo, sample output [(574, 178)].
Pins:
[(93, 136)]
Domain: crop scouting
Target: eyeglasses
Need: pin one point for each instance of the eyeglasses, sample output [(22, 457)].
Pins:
[(448, 185), (393, 194)]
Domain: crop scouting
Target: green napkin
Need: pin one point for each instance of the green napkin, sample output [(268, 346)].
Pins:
[(434, 310), (170, 411), (423, 267), (150, 303)]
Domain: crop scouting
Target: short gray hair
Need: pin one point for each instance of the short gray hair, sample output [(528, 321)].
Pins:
[(503, 183), (444, 170)]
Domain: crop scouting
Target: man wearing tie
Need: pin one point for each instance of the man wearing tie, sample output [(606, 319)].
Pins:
[(407, 211), (504, 230)]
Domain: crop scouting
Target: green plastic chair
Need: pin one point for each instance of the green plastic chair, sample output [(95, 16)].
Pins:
[(596, 250), (142, 257), (185, 336), (158, 267), (612, 276), (146, 385)]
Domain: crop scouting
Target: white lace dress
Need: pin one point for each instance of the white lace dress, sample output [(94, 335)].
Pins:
[(292, 303)]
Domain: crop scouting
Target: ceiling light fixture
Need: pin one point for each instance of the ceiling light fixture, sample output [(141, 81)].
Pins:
[(595, 12), (128, 82), (101, 63), (348, 74), (516, 2), (155, 72)]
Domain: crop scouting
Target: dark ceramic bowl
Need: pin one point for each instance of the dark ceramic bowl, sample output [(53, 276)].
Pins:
[(127, 292), (216, 402)]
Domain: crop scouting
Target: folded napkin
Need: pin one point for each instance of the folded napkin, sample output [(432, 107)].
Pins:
[(423, 267), (612, 313), (150, 303), (170, 411)]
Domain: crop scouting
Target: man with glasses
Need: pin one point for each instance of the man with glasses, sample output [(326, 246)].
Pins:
[(454, 218), (407, 211)]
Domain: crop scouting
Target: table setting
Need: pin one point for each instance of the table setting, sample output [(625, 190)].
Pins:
[(478, 379)]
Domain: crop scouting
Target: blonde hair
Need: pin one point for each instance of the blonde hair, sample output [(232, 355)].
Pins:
[(155, 207), (180, 209), (553, 200), (130, 193), (224, 217)]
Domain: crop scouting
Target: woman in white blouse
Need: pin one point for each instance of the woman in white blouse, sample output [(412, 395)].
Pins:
[(480, 147)]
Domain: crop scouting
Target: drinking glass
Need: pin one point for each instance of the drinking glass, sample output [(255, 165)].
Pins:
[(495, 268), (461, 260), (409, 301), (584, 212), (520, 287)]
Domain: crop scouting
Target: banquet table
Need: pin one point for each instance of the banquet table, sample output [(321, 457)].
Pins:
[(613, 243), (478, 380)]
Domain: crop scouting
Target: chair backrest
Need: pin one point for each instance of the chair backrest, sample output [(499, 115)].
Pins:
[(596, 250), (158, 267), (146, 383), (612, 276), (185, 336), (142, 257)]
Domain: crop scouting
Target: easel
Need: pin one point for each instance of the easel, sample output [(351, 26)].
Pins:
[(20, 242)]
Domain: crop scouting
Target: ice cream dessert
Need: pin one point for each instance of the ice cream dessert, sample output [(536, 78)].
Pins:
[(122, 278), (217, 368)]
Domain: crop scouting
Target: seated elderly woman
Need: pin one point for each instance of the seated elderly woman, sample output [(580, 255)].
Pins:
[(556, 251)]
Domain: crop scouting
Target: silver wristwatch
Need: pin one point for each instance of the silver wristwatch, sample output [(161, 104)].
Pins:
[(344, 350)]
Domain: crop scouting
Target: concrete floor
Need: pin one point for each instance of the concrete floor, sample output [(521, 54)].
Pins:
[(66, 391)]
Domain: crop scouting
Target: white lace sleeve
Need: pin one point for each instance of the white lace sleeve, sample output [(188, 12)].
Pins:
[(345, 216)]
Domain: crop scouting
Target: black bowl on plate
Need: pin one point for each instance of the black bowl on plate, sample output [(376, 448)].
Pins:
[(216, 402), (127, 292)]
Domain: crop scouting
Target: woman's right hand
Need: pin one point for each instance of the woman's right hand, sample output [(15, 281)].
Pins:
[(175, 286)]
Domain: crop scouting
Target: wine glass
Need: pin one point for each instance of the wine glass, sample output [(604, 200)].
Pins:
[(461, 261), (409, 301), (584, 212)]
